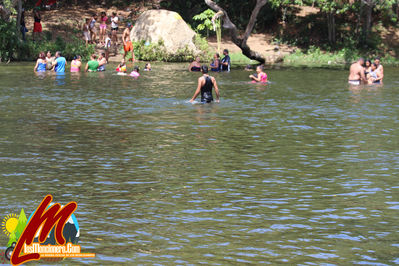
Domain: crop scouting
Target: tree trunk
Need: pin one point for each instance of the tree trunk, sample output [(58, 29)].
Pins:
[(331, 27), (19, 12), (368, 11), (238, 40)]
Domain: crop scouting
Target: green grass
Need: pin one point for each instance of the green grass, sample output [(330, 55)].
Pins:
[(240, 59)]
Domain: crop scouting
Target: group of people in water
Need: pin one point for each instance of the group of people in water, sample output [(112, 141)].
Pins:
[(366, 72), (58, 63)]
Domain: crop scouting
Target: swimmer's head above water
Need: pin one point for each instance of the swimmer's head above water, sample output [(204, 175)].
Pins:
[(204, 69), (259, 69), (136, 69)]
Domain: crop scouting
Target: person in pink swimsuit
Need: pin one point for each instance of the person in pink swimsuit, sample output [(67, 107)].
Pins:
[(76, 64), (103, 27), (260, 76), (135, 73)]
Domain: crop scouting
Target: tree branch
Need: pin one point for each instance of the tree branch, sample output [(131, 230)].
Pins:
[(240, 42)]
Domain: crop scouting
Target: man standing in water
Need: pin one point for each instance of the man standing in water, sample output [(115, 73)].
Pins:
[(356, 73), (59, 63), (226, 61), (205, 85), (127, 43)]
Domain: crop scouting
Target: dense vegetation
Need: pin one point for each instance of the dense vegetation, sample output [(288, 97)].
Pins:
[(358, 26)]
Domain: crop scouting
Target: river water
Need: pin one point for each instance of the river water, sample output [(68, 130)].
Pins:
[(301, 171)]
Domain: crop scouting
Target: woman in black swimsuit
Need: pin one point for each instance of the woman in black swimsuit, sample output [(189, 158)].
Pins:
[(196, 65), (205, 85)]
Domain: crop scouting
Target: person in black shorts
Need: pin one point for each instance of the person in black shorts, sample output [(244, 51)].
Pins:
[(205, 85)]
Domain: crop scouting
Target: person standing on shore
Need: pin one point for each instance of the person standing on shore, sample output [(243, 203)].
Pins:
[(103, 27), (37, 25), (107, 46), (205, 85), (86, 31), (59, 63), (127, 43), (356, 73), (23, 28), (114, 28), (93, 30)]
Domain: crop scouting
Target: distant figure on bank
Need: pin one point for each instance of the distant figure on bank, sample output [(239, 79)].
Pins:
[(103, 27), (86, 31), (114, 28), (226, 62), (135, 73), (37, 25), (50, 60), (127, 43), (356, 73), (23, 28), (59, 63), (93, 30), (92, 65), (102, 62), (122, 67), (375, 76), (215, 65), (41, 63), (380, 68), (205, 85), (195, 66), (147, 67), (76, 64), (107, 46), (260, 75)]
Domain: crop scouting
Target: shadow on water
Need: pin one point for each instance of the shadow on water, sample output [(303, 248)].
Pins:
[(301, 171)]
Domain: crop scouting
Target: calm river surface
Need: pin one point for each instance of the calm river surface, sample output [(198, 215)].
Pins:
[(302, 171)]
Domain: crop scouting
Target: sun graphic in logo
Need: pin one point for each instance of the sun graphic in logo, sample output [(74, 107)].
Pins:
[(9, 224)]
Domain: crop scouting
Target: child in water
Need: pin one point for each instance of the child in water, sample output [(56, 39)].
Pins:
[(135, 73), (121, 67), (260, 76), (147, 67)]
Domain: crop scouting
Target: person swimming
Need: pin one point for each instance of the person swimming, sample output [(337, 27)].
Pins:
[(374, 75), (205, 85), (92, 65), (76, 64), (195, 66), (215, 65), (260, 76), (135, 73), (41, 63), (147, 67), (102, 62), (122, 67)]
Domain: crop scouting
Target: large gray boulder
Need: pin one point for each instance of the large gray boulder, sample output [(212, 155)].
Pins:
[(156, 25)]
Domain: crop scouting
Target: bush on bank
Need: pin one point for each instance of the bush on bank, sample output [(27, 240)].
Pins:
[(157, 52), (13, 48)]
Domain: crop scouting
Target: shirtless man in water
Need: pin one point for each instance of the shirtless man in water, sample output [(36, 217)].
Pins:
[(356, 73), (127, 43)]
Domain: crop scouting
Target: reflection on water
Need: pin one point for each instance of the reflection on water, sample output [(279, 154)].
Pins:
[(302, 171)]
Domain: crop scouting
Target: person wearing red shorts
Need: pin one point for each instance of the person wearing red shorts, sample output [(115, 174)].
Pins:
[(37, 26), (127, 43)]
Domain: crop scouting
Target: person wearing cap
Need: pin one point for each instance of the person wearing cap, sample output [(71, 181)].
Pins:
[(205, 85), (127, 43)]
